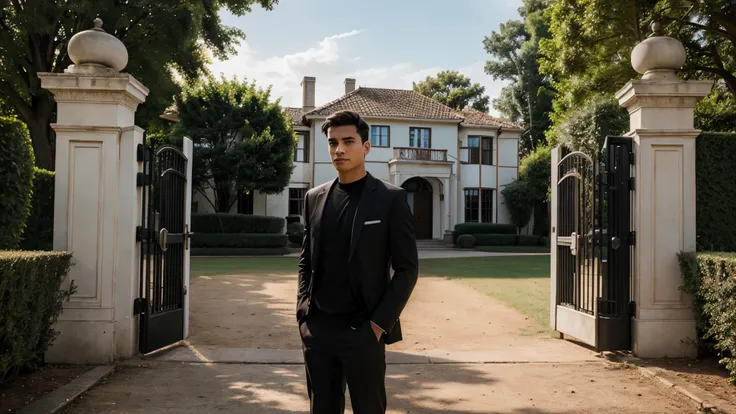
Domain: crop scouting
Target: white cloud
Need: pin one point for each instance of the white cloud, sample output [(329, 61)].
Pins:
[(330, 64)]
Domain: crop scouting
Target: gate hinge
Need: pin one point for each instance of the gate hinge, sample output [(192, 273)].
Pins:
[(632, 184), (632, 308), (632, 238), (141, 179), (140, 233), (139, 305)]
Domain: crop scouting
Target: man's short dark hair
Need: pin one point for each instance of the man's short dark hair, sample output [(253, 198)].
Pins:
[(342, 118)]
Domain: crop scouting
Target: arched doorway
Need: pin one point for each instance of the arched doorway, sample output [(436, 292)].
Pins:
[(420, 200)]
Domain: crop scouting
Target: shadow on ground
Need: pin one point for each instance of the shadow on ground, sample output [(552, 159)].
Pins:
[(165, 387)]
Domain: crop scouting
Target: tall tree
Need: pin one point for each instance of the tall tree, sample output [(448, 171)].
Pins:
[(161, 36), (527, 101), (453, 89), (242, 140), (589, 48)]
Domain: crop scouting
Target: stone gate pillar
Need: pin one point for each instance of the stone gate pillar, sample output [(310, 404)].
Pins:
[(97, 204), (661, 107)]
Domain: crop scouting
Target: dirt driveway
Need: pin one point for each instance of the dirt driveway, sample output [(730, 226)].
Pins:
[(463, 353), (257, 311)]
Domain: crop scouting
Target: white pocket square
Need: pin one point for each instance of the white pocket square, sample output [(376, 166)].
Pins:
[(368, 223)]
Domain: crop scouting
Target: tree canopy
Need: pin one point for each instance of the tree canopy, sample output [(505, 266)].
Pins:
[(454, 89), (527, 101), (163, 38), (589, 44), (242, 140)]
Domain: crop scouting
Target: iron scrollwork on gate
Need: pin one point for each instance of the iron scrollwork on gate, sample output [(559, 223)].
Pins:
[(594, 238), (163, 236)]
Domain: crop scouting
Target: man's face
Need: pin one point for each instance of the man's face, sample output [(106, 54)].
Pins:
[(347, 151)]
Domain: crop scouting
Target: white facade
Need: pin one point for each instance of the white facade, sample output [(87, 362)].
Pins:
[(446, 171)]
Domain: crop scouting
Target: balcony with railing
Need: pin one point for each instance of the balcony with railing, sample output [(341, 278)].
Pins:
[(419, 154)]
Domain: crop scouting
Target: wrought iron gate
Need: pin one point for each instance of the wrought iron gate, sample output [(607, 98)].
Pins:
[(164, 240), (593, 245)]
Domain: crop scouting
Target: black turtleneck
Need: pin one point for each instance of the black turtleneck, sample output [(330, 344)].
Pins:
[(332, 292)]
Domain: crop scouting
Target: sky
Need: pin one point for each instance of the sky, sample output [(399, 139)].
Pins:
[(380, 43)]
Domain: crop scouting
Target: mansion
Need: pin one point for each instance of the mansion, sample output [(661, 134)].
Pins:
[(452, 164)]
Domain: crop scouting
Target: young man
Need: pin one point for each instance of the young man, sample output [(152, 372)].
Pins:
[(348, 305)]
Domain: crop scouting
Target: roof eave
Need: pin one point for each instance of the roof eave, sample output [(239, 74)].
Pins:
[(308, 117)]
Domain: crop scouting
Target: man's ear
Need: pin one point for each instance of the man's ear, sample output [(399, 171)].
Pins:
[(366, 147)]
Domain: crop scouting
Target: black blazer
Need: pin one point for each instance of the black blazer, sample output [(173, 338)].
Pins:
[(382, 238)]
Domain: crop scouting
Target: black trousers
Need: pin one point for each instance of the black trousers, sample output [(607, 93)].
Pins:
[(337, 354)]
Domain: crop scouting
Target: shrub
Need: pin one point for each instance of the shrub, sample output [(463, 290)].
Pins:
[(544, 241), (31, 299), (235, 251), (711, 280), (466, 241), (236, 223), (518, 197), (238, 240), (482, 228), (295, 232), (293, 219), (495, 239), (716, 183), (16, 180), (525, 240), (39, 232)]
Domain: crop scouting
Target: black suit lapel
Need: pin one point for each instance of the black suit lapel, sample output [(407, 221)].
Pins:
[(365, 204), (316, 220)]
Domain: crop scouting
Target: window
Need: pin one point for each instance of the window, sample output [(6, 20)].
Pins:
[(478, 205), (302, 148), (420, 137), (245, 202), (480, 150), (380, 136), (486, 206), (296, 201), (471, 205)]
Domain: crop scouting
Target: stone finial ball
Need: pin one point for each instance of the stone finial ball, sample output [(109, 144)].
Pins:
[(658, 52), (95, 46)]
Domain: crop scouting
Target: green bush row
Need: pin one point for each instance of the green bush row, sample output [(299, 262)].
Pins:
[(295, 232), (482, 228), (31, 299), (236, 223), (39, 231), (238, 240), (711, 280), (234, 251), (16, 180), (472, 240), (715, 178)]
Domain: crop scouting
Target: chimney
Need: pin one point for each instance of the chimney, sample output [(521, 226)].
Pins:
[(308, 93), (349, 85)]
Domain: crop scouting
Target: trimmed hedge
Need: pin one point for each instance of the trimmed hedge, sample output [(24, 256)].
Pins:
[(238, 240), (39, 232), (716, 183), (466, 241), (482, 228), (234, 251), (293, 219), (236, 223), (495, 239), (295, 232), (16, 180), (527, 240), (711, 280), (31, 299)]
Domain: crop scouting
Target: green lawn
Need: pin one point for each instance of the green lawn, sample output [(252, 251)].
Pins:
[(522, 282), (514, 249)]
